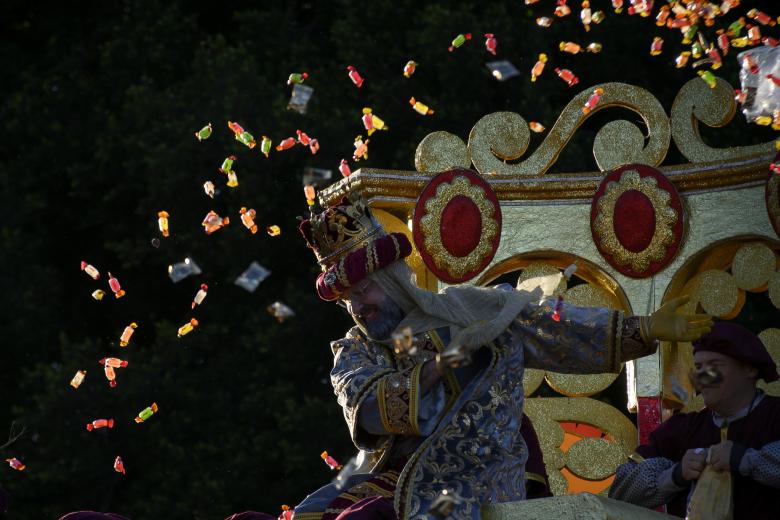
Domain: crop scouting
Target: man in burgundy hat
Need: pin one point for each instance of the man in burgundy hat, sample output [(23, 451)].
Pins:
[(431, 383), (737, 431)]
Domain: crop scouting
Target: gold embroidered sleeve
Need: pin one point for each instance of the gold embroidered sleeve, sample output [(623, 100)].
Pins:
[(398, 396)]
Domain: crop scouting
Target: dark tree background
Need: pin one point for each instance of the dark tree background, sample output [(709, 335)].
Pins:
[(99, 103)]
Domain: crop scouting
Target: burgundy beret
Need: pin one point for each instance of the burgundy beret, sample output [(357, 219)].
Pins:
[(734, 340)]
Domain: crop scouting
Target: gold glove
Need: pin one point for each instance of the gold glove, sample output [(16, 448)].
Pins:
[(666, 325)]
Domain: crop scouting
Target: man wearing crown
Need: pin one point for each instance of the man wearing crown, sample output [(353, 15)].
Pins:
[(436, 416)]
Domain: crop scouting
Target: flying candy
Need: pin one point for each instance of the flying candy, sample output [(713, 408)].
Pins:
[(538, 67), (162, 223), (617, 5), (420, 108), (409, 68), (251, 278), (113, 362), (248, 219), (314, 146), (361, 148), (585, 15), (286, 513), (681, 60), (78, 378), (663, 14), (754, 34), (570, 47), (344, 168), (273, 230), (760, 17), (502, 70), (372, 122), (708, 77), (124, 339), (100, 423), (187, 328), (232, 179), (598, 17), (208, 187), (544, 21), (181, 270), (286, 144), (536, 127), (568, 76), (119, 466), (90, 270), (490, 43), (657, 46), (113, 283), (593, 47), (200, 295), (562, 10), (355, 76), (242, 135), (98, 294), (299, 99), (297, 77), (16, 464), (227, 164), (593, 100), (280, 311), (146, 413), (458, 41), (213, 222), (310, 194), (330, 461), (303, 138), (265, 146), (204, 133)]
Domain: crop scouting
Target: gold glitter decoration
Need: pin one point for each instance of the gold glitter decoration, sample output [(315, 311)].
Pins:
[(532, 379), (594, 459), (665, 219), (771, 340), (717, 292), (547, 412), (753, 265), (441, 151), (504, 136), (772, 203), (539, 268), (579, 385), (696, 102), (430, 226), (774, 289), (582, 506)]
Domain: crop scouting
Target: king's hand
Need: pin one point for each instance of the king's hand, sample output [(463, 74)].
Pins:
[(666, 324)]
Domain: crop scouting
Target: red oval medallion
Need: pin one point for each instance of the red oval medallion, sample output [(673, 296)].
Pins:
[(461, 224), (634, 221)]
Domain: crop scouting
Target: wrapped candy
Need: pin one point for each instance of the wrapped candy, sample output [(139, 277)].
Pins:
[(119, 466), (78, 378), (538, 67), (98, 294), (297, 77), (544, 21), (124, 339), (162, 223), (420, 108), (248, 219), (760, 17), (200, 295), (344, 168), (90, 270), (286, 144), (310, 193), (303, 138), (227, 164), (593, 47), (187, 328), (286, 513), (598, 17), (100, 423), (536, 127), (490, 43), (372, 122), (409, 68), (697, 50), (586, 15), (657, 46), (299, 99), (570, 47), (236, 128), (208, 188), (708, 77), (617, 5), (330, 461), (458, 41), (242, 135), (723, 42), (113, 362), (568, 76), (355, 76), (681, 60), (273, 230), (204, 133), (232, 179), (562, 10), (735, 28), (754, 34), (16, 464), (502, 70), (181, 270), (146, 413), (593, 100), (318, 177), (280, 311), (663, 14), (110, 375), (213, 222), (314, 146), (361, 148), (251, 278), (113, 283), (265, 145)]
